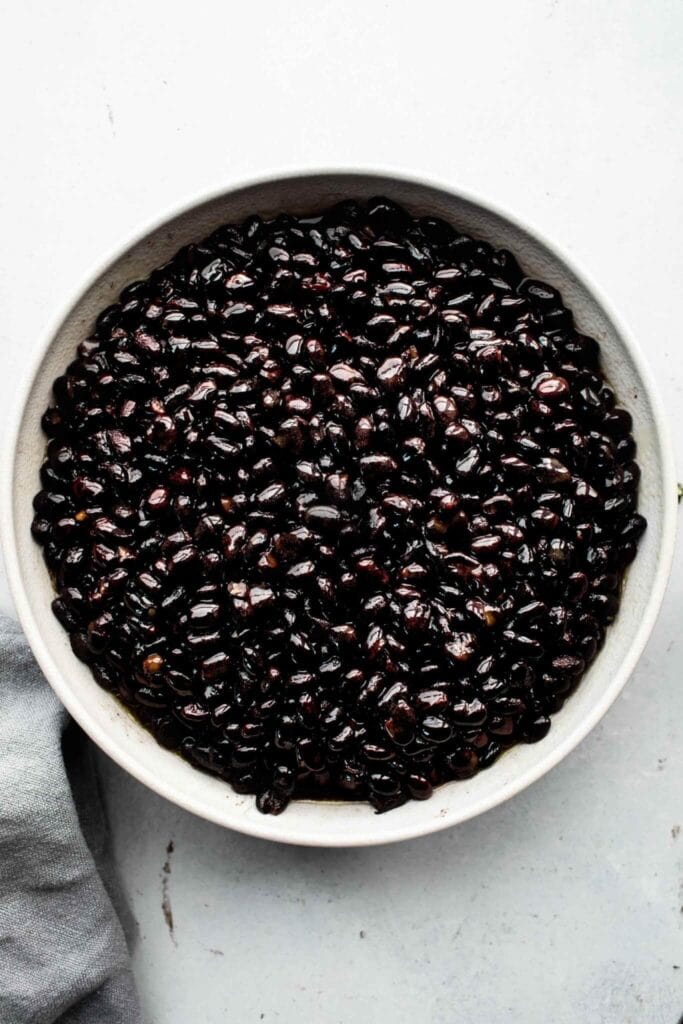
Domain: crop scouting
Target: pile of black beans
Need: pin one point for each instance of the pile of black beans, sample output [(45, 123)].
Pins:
[(338, 505)]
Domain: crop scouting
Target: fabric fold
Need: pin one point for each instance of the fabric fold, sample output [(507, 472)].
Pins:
[(63, 953)]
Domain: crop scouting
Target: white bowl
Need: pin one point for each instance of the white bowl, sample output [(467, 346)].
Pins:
[(312, 822)]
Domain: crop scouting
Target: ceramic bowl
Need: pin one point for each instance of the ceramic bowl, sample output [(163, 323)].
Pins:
[(332, 823)]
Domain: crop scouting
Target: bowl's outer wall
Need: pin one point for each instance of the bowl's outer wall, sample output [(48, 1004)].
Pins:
[(314, 822)]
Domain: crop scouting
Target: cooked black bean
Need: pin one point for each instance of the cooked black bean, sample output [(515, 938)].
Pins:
[(338, 505)]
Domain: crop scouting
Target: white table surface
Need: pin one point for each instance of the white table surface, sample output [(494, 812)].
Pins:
[(563, 906)]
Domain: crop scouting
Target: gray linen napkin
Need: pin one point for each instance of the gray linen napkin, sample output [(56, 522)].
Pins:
[(63, 955)]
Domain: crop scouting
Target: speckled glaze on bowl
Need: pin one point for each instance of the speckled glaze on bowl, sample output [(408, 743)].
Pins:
[(330, 823)]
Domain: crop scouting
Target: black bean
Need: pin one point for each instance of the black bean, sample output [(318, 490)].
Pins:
[(378, 466), (435, 728), (272, 494), (384, 784), (419, 786), (535, 729), (400, 726), (486, 544), (204, 613), (338, 504), (323, 517), (215, 667), (469, 713), (432, 700), (462, 763), (184, 558), (391, 372), (461, 647)]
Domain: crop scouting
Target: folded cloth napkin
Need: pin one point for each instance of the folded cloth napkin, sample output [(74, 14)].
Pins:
[(63, 955)]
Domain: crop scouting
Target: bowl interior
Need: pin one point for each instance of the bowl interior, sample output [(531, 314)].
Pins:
[(315, 822)]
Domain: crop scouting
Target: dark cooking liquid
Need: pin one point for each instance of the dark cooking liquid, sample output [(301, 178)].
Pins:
[(338, 505)]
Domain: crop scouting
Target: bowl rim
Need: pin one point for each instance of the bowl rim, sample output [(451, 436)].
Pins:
[(264, 828)]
